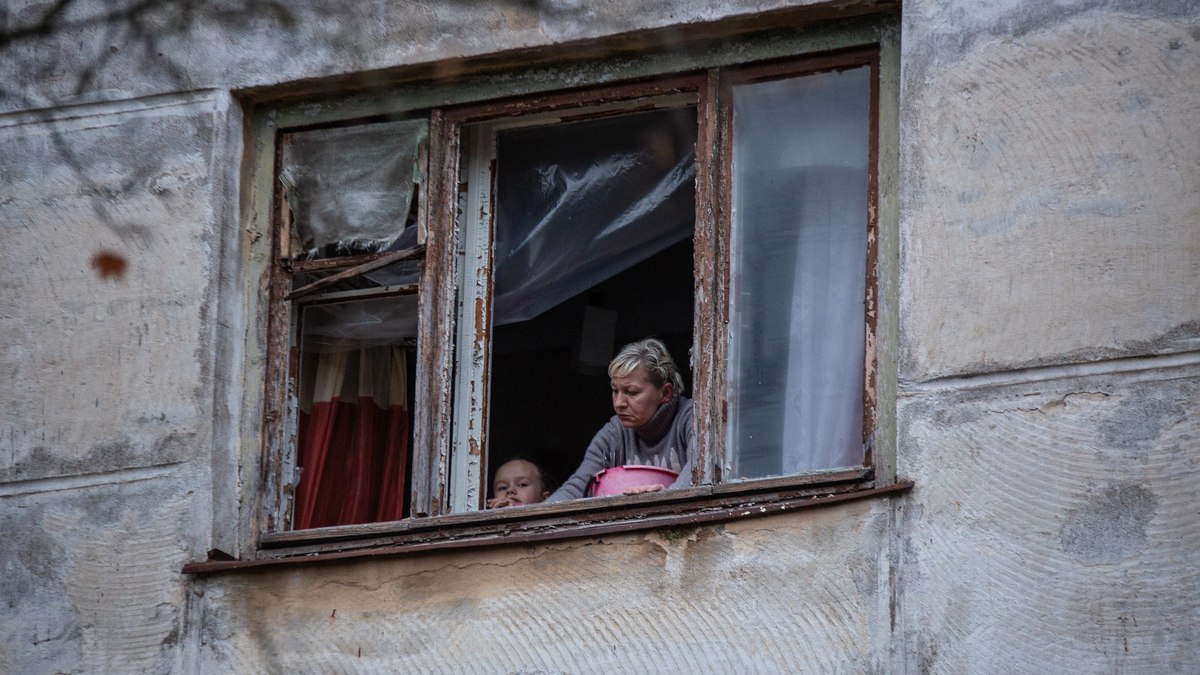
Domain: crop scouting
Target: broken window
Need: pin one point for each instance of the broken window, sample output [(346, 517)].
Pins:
[(727, 212), (349, 268)]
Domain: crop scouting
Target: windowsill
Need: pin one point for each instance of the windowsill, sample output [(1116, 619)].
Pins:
[(565, 520)]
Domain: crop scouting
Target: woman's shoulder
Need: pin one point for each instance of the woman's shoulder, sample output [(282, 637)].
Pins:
[(611, 429), (685, 406)]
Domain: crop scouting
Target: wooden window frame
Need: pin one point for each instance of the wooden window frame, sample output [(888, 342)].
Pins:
[(873, 43)]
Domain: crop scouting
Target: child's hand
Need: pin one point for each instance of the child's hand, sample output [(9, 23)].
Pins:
[(641, 489), (499, 502)]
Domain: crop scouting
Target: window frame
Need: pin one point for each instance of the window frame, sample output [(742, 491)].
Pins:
[(482, 122), (450, 106)]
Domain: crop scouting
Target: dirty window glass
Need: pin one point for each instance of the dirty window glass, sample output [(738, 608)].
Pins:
[(800, 154), (351, 189)]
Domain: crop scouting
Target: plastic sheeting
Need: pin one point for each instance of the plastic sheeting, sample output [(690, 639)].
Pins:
[(577, 203), (351, 188), (799, 273), (360, 324)]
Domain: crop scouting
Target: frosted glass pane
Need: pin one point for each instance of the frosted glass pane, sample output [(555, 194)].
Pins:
[(800, 154)]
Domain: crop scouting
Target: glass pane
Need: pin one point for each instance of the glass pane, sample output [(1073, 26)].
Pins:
[(353, 422), (345, 326), (350, 189), (800, 154)]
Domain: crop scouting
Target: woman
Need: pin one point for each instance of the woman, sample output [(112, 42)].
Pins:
[(652, 425)]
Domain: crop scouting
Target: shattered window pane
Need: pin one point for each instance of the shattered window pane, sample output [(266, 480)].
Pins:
[(351, 189)]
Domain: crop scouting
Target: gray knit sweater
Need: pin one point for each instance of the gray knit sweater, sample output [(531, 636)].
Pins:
[(664, 441)]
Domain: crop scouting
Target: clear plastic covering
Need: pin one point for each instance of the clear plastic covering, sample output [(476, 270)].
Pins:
[(577, 204), (581, 202), (360, 324), (351, 188), (799, 273)]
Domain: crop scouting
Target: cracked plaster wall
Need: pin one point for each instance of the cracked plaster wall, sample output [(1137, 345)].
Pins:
[(1048, 217), (108, 414), (1053, 526), (235, 44), (1049, 323), (1051, 157), (736, 598)]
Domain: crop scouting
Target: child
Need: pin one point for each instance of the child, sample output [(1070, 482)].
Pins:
[(518, 482)]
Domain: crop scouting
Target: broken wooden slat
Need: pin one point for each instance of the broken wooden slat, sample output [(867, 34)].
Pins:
[(394, 257)]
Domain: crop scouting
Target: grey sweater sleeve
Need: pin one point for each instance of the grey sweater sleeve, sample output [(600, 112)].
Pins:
[(689, 438), (599, 456)]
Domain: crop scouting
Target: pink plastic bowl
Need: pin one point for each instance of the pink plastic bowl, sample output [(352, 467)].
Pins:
[(616, 480)]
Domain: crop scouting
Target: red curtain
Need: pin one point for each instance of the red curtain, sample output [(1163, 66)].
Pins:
[(353, 439)]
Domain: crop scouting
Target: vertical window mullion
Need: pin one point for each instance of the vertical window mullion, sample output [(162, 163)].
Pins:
[(710, 245), (280, 418), (437, 298), (885, 145), (871, 301), (474, 326)]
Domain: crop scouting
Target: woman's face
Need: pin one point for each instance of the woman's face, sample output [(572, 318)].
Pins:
[(635, 398)]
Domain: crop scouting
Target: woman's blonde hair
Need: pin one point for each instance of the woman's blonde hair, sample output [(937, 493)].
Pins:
[(652, 358)]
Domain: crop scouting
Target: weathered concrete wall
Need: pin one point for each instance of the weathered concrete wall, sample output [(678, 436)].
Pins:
[(115, 370), (737, 598), (1053, 528), (1049, 323), (110, 396), (91, 579), (1050, 217), (234, 44), (1051, 159)]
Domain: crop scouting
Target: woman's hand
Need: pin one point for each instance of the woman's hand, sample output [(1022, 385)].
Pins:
[(642, 489)]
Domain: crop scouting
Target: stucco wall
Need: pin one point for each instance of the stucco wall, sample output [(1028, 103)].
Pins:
[(1050, 292), (1051, 162), (732, 598), (1048, 320)]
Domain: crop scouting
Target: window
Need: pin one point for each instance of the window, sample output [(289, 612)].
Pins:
[(347, 275), (449, 281)]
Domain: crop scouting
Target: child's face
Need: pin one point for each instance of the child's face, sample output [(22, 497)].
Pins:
[(520, 482)]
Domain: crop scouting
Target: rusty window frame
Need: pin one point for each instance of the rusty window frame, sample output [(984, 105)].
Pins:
[(780, 69), (432, 525), (467, 453), (285, 303), (713, 100)]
